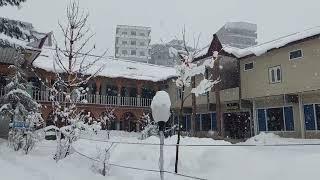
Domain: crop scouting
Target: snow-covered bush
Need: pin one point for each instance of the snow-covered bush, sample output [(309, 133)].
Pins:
[(150, 127), (102, 166)]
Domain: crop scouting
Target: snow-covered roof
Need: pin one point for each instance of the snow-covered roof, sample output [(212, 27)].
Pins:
[(13, 41), (111, 67), (277, 43)]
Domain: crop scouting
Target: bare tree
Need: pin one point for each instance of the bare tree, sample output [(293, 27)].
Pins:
[(187, 70), (73, 67)]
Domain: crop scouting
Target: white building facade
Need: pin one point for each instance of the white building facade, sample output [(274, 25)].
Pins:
[(133, 42)]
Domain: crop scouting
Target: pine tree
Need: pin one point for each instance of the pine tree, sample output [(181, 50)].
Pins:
[(13, 28), (22, 111), (11, 2)]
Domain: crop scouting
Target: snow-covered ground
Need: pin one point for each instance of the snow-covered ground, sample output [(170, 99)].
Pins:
[(226, 162)]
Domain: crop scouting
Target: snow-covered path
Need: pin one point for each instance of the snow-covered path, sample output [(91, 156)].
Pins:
[(260, 162)]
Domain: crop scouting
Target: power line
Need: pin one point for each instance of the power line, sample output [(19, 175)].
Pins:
[(207, 145), (139, 169)]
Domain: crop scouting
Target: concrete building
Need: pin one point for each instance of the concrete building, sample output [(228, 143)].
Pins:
[(238, 34), (133, 42), (160, 53), (237, 123)]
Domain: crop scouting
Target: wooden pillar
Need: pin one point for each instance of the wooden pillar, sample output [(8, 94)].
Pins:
[(139, 88), (139, 93), (98, 86), (119, 86), (97, 93)]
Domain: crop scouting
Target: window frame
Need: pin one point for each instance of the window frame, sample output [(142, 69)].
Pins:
[(275, 68), (244, 67), (133, 42), (316, 124), (283, 115), (142, 44), (142, 53), (296, 57), (133, 54), (124, 51)]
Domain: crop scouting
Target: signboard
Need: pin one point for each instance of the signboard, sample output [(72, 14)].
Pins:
[(20, 125)]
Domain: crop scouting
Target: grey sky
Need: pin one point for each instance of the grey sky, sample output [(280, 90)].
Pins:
[(167, 17)]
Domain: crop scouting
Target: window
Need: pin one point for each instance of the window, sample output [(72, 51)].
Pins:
[(124, 33), (295, 54), (275, 119), (142, 44), (312, 116), (133, 33), (142, 34), (205, 122), (124, 42), (133, 42), (133, 52), (275, 74), (124, 52), (248, 66), (142, 53)]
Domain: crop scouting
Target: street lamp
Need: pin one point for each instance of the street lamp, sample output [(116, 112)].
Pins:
[(160, 107)]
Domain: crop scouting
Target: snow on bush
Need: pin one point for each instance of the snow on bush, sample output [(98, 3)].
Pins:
[(150, 127)]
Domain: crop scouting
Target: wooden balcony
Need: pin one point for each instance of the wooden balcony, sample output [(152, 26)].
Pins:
[(44, 97)]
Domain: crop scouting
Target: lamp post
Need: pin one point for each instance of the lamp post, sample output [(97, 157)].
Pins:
[(160, 107)]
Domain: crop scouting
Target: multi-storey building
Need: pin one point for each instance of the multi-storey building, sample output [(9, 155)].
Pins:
[(133, 43), (281, 80), (236, 119), (238, 34), (160, 53)]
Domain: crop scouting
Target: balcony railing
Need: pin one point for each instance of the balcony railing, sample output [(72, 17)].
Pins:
[(44, 96)]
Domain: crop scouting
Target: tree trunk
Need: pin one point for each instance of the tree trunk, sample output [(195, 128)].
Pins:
[(219, 113), (179, 131), (194, 108)]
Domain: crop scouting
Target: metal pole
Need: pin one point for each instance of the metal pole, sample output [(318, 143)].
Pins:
[(161, 155)]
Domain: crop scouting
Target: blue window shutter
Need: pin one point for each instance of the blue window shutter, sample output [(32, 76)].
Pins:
[(309, 117), (262, 120), (288, 113), (214, 121)]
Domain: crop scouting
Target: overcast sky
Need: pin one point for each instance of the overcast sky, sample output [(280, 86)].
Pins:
[(167, 17)]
